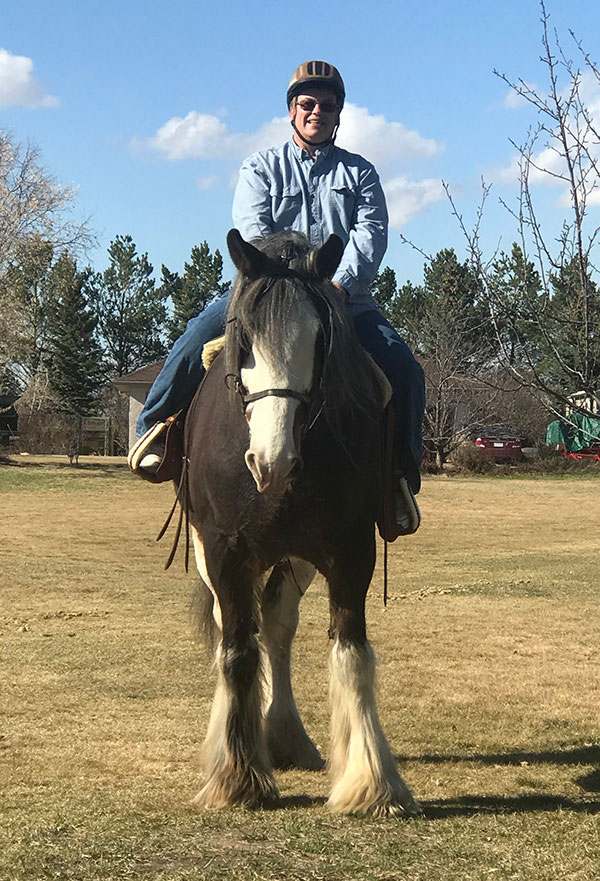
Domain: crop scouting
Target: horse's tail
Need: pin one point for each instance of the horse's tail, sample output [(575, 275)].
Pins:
[(203, 620)]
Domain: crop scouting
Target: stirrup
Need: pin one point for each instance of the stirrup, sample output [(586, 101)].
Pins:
[(408, 515), (169, 436)]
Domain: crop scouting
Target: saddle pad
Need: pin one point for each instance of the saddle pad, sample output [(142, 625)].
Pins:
[(211, 349)]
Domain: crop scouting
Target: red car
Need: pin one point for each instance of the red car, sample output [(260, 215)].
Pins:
[(499, 443)]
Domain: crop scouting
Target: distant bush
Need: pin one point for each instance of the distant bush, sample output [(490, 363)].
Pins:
[(47, 432), (467, 458), (540, 460), (545, 460)]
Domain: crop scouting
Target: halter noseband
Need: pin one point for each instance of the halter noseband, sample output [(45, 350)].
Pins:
[(235, 382), (276, 393)]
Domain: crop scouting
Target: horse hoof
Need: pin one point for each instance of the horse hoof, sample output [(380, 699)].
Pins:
[(306, 758), (251, 792), (365, 804), (304, 763)]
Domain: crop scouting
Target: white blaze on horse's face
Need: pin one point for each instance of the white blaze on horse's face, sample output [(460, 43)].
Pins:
[(273, 456)]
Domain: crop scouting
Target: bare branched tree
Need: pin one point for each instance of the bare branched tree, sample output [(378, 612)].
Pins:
[(548, 335), (36, 222), (32, 202)]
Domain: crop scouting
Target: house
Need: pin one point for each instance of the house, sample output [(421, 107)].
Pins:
[(579, 400), (137, 385)]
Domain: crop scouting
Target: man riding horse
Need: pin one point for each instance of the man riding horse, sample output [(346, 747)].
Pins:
[(310, 185)]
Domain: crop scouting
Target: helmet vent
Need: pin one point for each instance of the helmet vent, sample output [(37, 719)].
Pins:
[(318, 68)]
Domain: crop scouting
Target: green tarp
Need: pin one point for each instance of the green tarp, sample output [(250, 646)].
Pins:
[(577, 434)]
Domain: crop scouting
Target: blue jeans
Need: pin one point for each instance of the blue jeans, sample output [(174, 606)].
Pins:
[(177, 382)]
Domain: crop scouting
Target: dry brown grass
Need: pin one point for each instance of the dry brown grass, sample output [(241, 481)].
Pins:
[(488, 679)]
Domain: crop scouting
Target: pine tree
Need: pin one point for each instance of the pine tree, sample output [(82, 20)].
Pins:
[(384, 288), (27, 298), (402, 306), (452, 316), (571, 348), (130, 310), (195, 289), (516, 288), (75, 367)]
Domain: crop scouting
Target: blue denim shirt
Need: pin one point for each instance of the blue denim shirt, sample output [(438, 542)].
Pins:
[(339, 192)]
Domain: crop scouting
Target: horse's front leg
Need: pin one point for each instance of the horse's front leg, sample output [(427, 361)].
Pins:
[(235, 757), (364, 775), (289, 744)]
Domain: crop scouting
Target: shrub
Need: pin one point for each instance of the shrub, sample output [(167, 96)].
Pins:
[(467, 458)]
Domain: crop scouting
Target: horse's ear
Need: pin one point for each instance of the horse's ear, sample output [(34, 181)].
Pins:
[(249, 260), (326, 260)]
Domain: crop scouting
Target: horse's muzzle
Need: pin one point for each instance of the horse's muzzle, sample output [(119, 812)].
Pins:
[(273, 479)]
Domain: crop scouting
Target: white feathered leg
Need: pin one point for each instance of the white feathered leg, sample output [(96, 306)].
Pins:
[(289, 744), (236, 762), (364, 775)]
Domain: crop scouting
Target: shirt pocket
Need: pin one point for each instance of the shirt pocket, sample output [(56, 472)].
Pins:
[(343, 200), (286, 206)]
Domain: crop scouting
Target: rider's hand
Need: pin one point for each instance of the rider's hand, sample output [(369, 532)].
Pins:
[(341, 290)]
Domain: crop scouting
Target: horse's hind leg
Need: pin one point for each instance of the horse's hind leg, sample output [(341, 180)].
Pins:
[(289, 744), (364, 775), (236, 762)]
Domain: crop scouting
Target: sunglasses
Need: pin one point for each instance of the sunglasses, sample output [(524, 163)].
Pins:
[(309, 104)]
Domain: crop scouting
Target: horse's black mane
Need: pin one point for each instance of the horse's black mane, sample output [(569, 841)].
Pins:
[(261, 307)]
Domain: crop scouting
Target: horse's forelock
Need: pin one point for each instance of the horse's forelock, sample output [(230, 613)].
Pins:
[(259, 307)]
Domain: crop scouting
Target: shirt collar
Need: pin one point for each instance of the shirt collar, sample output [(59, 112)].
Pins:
[(302, 152)]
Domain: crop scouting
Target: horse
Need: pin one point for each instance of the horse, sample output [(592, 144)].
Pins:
[(283, 451)]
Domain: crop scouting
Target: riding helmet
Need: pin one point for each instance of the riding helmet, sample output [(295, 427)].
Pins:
[(316, 73)]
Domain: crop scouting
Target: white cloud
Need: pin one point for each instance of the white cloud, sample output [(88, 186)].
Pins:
[(406, 198), (544, 167), (195, 136), (204, 136), (18, 86), (389, 145), (380, 141)]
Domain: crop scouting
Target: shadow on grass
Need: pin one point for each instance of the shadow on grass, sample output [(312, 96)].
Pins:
[(100, 469), (475, 805), (586, 755), (290, 802)]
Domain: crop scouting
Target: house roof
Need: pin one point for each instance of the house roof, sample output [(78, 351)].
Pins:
[(143, 376), (7, 401)]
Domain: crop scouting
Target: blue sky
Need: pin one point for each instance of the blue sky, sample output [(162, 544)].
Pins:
[(148, 108)]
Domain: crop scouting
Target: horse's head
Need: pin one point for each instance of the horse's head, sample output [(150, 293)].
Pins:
[(273, 328)]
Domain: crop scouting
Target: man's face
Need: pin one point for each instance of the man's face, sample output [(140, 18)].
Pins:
[(315, 121)]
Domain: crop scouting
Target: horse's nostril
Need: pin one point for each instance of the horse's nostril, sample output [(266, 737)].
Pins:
[(251, 463)]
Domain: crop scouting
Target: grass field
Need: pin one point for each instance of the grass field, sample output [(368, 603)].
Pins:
[(489, 689)]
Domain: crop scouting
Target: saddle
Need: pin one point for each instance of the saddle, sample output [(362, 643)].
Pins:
[(172, 431)]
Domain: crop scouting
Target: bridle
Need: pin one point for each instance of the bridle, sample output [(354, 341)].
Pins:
[(234, 382)]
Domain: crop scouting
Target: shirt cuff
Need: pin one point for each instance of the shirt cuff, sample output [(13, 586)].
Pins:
[(347, 281)]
